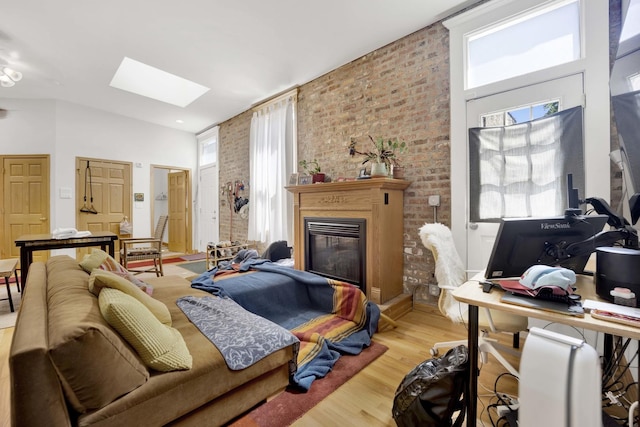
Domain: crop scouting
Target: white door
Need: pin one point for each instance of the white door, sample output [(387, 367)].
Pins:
[(568, 91), (208, 189)]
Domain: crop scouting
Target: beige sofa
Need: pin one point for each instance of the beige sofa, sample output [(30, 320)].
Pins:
[(69, 367)]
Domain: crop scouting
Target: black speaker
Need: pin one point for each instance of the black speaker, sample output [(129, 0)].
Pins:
[(617, 267)]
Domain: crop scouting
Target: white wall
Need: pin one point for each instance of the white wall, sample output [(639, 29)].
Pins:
[(66, 131)]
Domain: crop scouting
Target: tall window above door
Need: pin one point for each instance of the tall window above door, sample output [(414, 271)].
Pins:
[(535, 40), (208, 142)]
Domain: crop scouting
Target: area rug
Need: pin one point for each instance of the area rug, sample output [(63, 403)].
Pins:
[(197, 267), (7, 318), (290, 405), (138, 264), (194, 257)]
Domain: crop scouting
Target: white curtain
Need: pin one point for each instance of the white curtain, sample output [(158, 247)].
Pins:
[(272, 160)]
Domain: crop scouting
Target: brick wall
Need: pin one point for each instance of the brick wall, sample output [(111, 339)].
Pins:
[(400, 90), (234, 166)]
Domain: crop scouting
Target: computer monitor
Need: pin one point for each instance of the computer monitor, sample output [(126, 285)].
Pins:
[(523, 242)]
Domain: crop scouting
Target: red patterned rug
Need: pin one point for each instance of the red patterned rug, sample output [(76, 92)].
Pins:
[(290, 405), (137, 264)]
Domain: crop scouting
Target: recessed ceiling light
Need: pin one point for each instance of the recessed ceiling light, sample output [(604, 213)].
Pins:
[(179, 121), (142, 79)]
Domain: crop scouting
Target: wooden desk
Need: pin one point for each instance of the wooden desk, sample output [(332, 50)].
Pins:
[(471, 293), (44, 242)]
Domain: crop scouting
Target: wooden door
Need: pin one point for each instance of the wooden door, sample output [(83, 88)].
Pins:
[(178, 211), (25, 198), (109, 182), (208, 226)]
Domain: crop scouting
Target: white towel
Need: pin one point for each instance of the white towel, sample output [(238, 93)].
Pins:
[(68, 233)]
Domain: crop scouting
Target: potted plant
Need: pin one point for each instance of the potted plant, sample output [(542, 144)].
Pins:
[(313, 168), (383, 155)]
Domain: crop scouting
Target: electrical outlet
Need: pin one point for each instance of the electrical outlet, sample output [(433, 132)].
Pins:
[(434, 290), (434, 200)]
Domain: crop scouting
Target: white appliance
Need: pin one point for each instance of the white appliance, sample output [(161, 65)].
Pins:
[(560, 382)]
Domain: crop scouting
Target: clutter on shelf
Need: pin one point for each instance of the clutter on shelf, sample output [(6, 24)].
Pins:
[(223, 251)]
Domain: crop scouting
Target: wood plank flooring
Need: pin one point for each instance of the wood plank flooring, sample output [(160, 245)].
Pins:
[(367, 398)]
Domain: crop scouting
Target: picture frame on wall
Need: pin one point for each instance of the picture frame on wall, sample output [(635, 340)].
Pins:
[(293, 179), (304, 179)]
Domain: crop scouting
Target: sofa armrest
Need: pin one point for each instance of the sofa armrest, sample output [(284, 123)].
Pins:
[(36, 393)]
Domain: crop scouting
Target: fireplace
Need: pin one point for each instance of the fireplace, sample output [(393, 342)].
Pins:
[(336, 248), (376, 203)]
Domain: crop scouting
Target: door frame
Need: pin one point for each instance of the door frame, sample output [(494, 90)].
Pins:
[(595, 66), (189, 214)]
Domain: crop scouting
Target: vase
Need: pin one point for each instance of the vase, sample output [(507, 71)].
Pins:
[(378, 169), (317, 177), (397, 172)]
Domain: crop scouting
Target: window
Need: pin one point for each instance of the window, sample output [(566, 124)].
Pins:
[(209, 147), (519, 114), (524, 44), (520, 170), (272, 158)]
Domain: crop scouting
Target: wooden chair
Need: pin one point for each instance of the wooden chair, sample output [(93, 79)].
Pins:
[(142, 249)]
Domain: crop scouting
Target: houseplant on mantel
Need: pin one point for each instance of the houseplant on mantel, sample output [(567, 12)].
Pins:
[(383, 156), (312, 168)]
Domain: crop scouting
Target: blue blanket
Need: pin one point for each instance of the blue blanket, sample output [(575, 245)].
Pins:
[(328, 316)]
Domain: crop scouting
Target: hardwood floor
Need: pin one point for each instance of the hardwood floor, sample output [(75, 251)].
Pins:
[(367, 398)]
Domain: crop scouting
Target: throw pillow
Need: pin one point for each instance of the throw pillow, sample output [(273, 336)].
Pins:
[(101, 279), (102, 260), (160, 347)]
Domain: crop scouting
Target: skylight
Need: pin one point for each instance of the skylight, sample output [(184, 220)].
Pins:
[(142, 79)]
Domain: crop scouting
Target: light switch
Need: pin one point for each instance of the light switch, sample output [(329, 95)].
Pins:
[(66, 193)]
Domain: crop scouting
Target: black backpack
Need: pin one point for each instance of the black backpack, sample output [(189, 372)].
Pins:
[(433, 391)]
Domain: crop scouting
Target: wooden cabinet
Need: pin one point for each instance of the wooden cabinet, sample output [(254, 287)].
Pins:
[(217, 252), (377, 200)]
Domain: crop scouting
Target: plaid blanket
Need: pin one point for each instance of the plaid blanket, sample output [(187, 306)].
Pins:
[(329, 317)]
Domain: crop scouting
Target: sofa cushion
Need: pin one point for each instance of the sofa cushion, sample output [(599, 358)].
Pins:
[(100, 279), (94, 364), (161, 347), (102, 260)]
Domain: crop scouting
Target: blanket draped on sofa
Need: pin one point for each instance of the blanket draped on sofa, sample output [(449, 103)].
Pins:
[(329, 317)]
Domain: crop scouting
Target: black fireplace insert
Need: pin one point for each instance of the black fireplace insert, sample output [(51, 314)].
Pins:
[(336, 248)]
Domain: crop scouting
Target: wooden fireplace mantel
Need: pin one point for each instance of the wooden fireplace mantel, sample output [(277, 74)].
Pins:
[(377, 200)]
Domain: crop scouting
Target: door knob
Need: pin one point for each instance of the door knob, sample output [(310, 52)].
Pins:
[(43, 218), (473, 226)]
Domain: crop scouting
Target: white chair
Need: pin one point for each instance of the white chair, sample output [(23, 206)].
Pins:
[(450, 273)]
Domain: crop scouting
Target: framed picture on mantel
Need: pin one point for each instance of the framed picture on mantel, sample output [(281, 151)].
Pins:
[(304, 180), (293, 179)]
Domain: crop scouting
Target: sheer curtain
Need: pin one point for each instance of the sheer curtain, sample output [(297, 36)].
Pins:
[(521, 170), (272, 160)]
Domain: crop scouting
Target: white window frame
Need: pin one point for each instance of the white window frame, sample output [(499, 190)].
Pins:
[(594, 64)]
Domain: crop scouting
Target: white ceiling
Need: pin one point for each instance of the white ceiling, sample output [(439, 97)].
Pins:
[(244, 50)]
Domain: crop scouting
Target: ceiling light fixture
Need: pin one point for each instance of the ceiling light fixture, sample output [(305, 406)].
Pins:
[(9, 76)]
